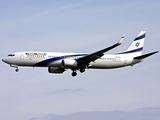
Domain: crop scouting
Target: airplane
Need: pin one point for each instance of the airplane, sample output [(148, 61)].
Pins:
[(58, 62)]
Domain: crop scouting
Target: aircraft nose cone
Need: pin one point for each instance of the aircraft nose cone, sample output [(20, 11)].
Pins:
[(5, 60)]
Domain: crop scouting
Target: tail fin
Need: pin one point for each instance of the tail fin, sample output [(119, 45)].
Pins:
[(136, 46)]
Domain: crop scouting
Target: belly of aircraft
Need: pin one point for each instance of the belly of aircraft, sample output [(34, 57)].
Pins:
[(106, 64)]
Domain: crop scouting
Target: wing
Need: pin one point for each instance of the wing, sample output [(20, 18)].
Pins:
[(94, 56)]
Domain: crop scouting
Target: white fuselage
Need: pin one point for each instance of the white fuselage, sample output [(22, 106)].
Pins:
[(54, 59)]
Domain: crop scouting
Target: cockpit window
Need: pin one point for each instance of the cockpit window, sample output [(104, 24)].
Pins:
[(11, 55)]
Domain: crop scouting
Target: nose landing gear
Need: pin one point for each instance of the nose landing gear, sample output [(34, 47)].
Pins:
[(15, 67)]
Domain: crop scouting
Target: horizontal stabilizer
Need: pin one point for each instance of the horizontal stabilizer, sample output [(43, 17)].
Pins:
[(146, 55)]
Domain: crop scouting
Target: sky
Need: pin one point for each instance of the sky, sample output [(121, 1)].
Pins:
[(84, 26)]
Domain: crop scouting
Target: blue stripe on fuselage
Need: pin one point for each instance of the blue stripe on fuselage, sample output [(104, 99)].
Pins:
[(132, 51), (48, 61), (140, 37)]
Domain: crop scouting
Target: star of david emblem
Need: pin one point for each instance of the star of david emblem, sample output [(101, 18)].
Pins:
[(137, 44)]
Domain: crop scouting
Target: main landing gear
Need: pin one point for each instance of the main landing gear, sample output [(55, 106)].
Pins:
[(15, 67), (74, 73), (82, 70)]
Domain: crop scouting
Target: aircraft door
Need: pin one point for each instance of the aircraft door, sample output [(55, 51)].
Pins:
[(22, 57), (125, 60)]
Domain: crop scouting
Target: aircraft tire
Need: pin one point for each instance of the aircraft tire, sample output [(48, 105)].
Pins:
[(17, 70), (74, 74), (82, 70)]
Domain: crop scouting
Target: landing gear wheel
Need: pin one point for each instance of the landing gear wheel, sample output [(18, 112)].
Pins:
[(74, 74), (17, 70), (82, 70)]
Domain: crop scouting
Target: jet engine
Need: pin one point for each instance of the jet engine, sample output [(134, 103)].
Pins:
[(55, 70), (68, 63)]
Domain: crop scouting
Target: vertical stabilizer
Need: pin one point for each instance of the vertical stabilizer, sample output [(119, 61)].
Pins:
[(136, 46)]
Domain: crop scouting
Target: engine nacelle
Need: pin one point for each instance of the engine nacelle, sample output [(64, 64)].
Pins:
[(68, 63), (55, 70)]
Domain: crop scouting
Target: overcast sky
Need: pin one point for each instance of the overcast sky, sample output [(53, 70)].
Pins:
[(77, 26)]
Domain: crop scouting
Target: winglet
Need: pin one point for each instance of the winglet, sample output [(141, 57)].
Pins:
[(121, 40)]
